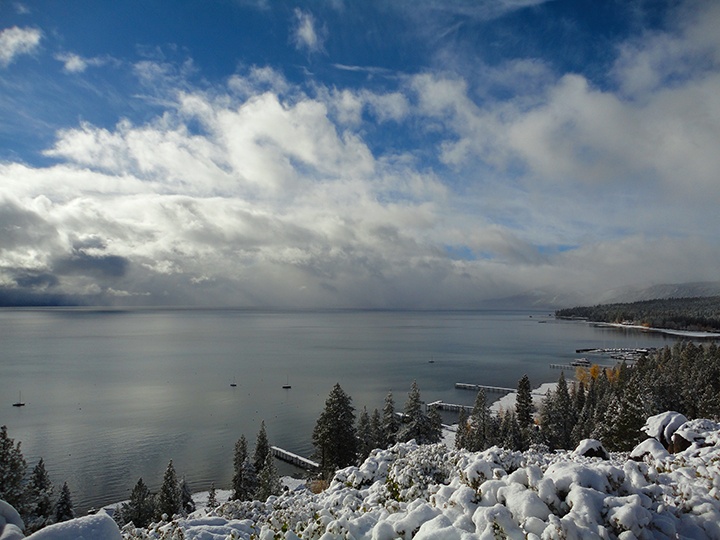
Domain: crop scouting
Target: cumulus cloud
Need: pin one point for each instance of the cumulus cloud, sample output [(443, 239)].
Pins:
[(264, 192), (307, 35), (17, 41)]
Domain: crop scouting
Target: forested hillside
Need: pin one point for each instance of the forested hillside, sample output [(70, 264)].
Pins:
[(694, 314)]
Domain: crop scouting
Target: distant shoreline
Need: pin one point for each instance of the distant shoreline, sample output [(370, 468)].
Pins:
[(668, 331)]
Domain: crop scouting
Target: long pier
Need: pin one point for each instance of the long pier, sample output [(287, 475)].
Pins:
[(289, 457), (440, 404), (476, 387)]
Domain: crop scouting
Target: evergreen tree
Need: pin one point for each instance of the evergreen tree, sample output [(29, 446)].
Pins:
[(244, 477), (169, 500), (390, 422), (435, 433), (12, 471), (364, 435), (557, 416), (416, 424), (376, 430), (483, 426), (524, 403), (64, 508), (262, 448), (268, 480), (510, 434), (140, 509), (463, 430), (38, 499), (186, 500), (212, 501), (334, 436)]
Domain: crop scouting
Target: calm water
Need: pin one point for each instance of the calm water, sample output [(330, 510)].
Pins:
[(114, 395)]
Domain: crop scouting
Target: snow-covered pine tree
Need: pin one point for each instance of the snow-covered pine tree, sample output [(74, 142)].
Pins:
[(244, 476), (64, 508), (140, 509), (268, 480), (435, 433), (390, 422), (212, 501), (186, 500), (169, 500), (39, 494), (376, 431), (483, 426), (557, 417), (262, 448), (12, 471), (524, 403), (364, 435), (463, 431), (510, 433), (416, 424), (334, 436)]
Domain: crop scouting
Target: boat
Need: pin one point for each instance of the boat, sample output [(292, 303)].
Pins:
[(233, 384), (19, 402), (287, 385)]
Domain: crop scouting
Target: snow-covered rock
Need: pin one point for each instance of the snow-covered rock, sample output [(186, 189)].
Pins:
[(591, 448), (662, 426)]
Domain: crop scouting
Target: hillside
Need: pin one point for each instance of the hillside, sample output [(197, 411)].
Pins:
[(431, 492), (692, 314)]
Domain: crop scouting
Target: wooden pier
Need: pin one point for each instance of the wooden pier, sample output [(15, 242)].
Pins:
[(476, 387), (294, 459), (449, 406)]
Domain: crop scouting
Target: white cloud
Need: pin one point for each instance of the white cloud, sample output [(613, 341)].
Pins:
[(73, 63), (306, 33), (16, 41)]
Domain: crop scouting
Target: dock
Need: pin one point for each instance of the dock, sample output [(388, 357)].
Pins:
[(476, 387), (440, 404), (294, 459)]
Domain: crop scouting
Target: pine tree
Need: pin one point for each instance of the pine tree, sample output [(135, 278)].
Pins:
[(376, 431), (38, 499), (435, 432), (64, 508), (212, 501), (364, 435), (524, 403), (418, 425), (268, 480), (186, 500), (510, 434), (12, 471), (244, 477), (463, 430), (483, 426), (262, 448), (390, 422), (334, 435), (558, 416), (140, 509), (169, 499)]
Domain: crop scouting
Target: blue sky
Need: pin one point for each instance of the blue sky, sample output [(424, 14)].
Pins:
[(381, 154)]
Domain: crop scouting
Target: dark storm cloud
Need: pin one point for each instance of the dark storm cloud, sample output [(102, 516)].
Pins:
[(102, 266)]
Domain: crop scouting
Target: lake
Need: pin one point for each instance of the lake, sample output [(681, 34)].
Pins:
[(112, 394)]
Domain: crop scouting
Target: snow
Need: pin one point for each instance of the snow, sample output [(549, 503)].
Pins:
[(99, 526), (662, 426), (430, 492)]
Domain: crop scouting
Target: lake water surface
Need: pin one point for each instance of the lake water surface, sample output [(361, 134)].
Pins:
[(113, 395)]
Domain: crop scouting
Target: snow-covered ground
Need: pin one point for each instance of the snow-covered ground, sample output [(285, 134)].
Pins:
[(668, 331), (432, 492)]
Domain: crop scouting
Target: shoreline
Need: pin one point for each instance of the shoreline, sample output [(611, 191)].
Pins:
[(667, 331)]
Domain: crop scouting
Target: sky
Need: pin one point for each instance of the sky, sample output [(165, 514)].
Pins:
[(335, 154)]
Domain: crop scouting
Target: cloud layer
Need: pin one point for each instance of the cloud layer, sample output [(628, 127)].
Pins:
[(266, 192)]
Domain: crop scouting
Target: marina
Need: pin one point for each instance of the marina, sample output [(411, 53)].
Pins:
[(294, 459)]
